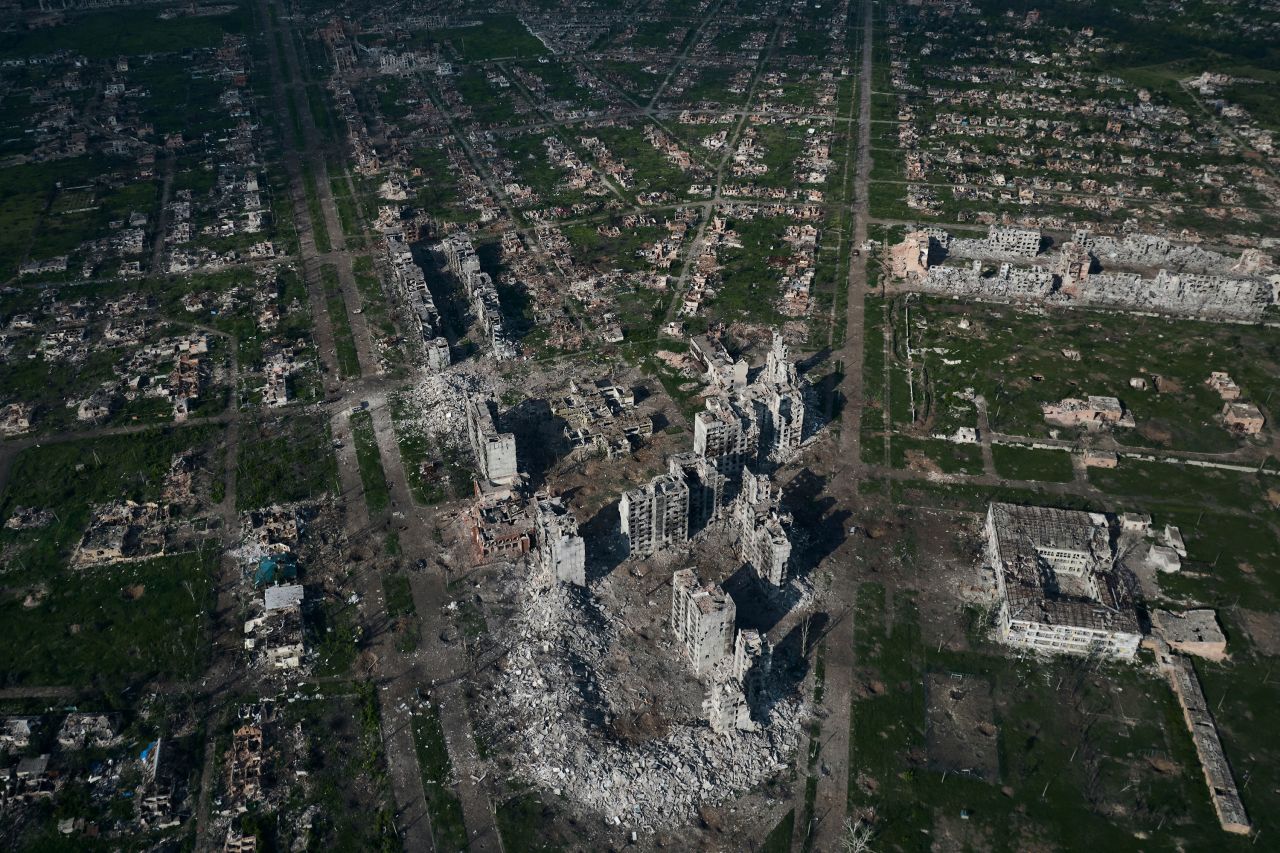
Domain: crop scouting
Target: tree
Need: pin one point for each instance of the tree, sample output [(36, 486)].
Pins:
[(856, 836)]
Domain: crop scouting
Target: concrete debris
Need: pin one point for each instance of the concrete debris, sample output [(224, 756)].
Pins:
[(436, 407), (553, 696)]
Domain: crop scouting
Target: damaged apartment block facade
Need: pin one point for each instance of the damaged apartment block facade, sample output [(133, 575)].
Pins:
[(733, 665)]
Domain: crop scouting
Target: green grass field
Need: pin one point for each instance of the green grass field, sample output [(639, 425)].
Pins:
[(1025, 463), (377, 494), (284, 460), (447, 826)]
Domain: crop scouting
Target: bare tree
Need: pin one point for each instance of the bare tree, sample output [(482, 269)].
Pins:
[(856, 836)]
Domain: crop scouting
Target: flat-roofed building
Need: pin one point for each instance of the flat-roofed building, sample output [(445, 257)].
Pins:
[(1058, 587)]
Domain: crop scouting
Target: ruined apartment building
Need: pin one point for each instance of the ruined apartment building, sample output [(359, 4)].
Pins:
[(706, 488), (412, 286), (495, 451), (562, 551), (1183, 294), (762, 540), (724, 437), (1023, 242), (655, 515), (1058, 588), (481, 293), (736, 684), (702, 617), (602, 418)]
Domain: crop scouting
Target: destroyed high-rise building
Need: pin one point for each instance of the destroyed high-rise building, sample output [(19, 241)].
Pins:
[(761, 526), (412, 285), (706, 488), (495, 451), (725, 437), (562, 551), (761, 420), (778, 387), (702, 617), (737, 684), (655, 515)]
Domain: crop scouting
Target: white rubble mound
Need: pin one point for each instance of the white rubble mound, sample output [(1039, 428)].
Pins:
[(435, 407), (553, 686)]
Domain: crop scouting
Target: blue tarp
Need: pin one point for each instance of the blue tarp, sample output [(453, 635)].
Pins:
[(276, 567)]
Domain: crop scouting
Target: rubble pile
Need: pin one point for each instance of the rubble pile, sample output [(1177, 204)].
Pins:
[(558, 705), (436, 408)]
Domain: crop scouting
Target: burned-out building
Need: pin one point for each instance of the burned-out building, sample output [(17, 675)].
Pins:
[(1058, 588), (761, 529), (82, 730), (655, 515), (500, 527), (1243, 417), (1223, 792), (562, 550), (120, 532), (495, 451)]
